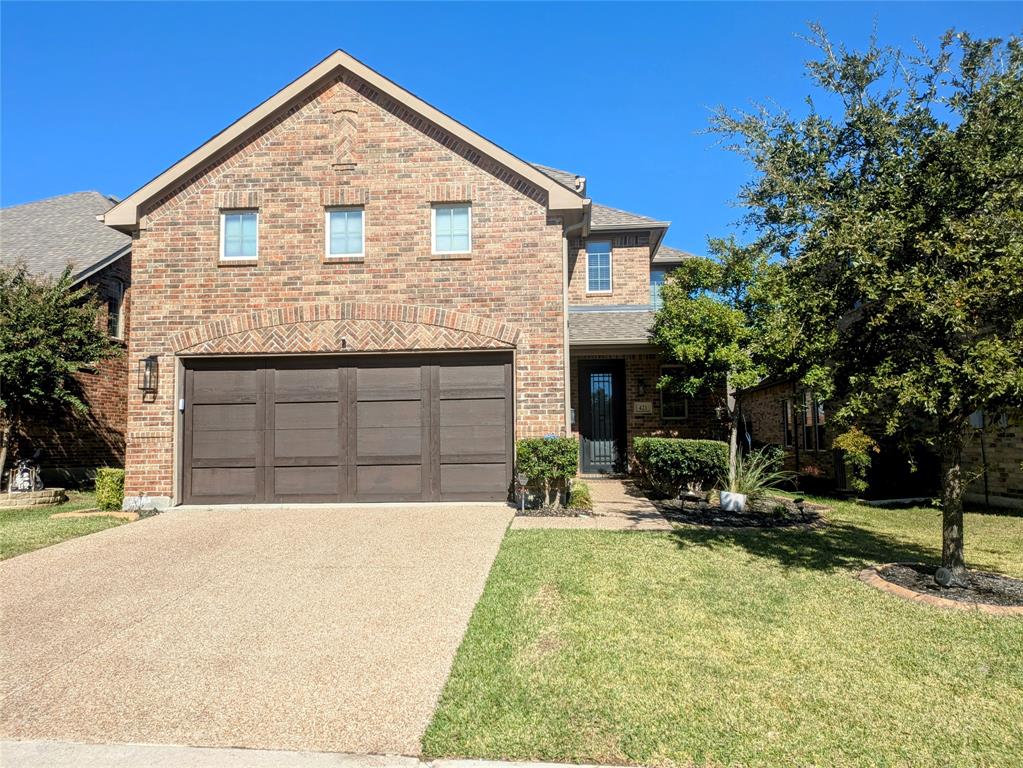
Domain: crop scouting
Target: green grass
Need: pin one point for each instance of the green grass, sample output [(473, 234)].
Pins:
[(736, 648), (22, 530)]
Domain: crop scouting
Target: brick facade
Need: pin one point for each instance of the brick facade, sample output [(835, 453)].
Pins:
[(74, 445), (643, 369), (345, 144), (998, 453), (630, 270)]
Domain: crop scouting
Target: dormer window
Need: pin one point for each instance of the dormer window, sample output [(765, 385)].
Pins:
[(598, 267), (239, 234)]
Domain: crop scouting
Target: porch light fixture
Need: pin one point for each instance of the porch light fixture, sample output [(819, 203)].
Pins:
[(149, 373), (641, 386), (719, 411)]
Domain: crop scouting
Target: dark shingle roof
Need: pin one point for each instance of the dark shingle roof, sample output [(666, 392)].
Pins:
[(47, 235), (668, 255), (605, 217), (565, 178), (609, 325)]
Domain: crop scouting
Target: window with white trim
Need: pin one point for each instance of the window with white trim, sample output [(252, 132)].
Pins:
[(657, 277), (452, 228), (674, 405), (346, 233), (598, 267), (239, 235)]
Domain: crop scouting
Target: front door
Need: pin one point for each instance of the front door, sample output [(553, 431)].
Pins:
[(602, 415)]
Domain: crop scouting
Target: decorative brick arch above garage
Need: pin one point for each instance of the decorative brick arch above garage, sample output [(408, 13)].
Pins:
[(344, 326)]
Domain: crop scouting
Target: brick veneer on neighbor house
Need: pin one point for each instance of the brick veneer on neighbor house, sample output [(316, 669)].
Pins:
[(1000, 455), (73, 445), (508, 291)]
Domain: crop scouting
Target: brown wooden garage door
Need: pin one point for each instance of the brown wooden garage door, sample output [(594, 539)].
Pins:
[(396, 428)]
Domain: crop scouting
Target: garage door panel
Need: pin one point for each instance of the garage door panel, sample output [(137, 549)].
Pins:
[(305, 415), (472, 381), (461, 413), (385, 413), (391, 481), (208, 417), (225, 482), (472, 440), (385, 383), (305, 442), (227, 444), (232, 386), (472, 480), (306, 481), (306, 384)]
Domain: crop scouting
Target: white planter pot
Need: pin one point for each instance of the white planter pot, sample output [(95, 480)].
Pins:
[(733, 502)]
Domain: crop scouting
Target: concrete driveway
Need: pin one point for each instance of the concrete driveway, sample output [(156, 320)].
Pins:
[(317, 628)]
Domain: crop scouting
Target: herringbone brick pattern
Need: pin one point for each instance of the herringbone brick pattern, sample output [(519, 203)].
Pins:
[(344, 336)]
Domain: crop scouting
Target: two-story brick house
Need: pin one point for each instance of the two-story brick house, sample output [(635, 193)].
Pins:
[(49, 236), (348, 295)]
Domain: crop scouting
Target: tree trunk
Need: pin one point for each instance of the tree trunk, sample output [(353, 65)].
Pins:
[(952, 556), (5, 439), (733, 430)]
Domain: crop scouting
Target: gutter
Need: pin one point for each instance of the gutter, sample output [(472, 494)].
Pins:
[(106, 261)]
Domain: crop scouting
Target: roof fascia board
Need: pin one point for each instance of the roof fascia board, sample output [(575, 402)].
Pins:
[(125, 216)]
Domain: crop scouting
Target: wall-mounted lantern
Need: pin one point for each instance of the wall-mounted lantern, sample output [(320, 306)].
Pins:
[(641, 386), (149, 374)]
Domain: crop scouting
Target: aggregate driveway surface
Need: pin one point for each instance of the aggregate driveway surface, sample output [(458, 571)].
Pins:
[(300, 628)]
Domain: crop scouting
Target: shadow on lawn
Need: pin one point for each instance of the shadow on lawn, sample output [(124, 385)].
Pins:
[(838, 545)]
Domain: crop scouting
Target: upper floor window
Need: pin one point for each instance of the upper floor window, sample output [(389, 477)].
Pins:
[(239, 235), (452, 228), (674, 406), (346, 235), (598, 267), (656, 284), (115, 309)]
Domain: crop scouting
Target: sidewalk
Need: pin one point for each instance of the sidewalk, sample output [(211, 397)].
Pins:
[(63, 754), (617, 506)]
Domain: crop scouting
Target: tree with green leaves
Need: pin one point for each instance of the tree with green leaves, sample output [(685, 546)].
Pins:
[(716, 321), (49, 330), (894, 202)]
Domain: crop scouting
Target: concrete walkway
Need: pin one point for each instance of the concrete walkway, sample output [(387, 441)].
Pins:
[(617, 506), (320, 629), (32, 754)]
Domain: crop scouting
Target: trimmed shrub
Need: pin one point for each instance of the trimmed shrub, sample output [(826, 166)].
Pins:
[(671, 466), (549, 462), (110, 488), (579, 497)]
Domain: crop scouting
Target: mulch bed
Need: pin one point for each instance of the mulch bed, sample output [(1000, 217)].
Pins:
[(986, 588), (772, 512), (552, 512)]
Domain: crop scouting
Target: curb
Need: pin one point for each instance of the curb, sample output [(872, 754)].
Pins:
[(873, 578)]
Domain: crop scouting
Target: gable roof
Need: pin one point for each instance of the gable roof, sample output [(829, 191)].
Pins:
[(48, 235), (125, 215)]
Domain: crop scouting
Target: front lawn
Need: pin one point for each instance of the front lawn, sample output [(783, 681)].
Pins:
[(22, 530), (736, 648)]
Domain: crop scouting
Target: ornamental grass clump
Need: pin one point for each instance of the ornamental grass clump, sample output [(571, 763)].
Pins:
[(755, 474)]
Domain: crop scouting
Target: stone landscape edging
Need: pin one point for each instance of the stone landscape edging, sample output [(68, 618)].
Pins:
[(872, 577)]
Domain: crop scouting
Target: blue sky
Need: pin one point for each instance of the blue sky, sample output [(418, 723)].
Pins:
[(106, 95)]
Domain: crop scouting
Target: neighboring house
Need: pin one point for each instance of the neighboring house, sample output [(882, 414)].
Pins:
[(348, 295), (48, 236), (780, 413)]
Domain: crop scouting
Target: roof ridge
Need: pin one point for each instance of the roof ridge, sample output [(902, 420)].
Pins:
[(59, 197)]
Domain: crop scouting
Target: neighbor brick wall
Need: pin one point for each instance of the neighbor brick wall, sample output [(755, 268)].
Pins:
[(701, 421), (378, 155), (1003, 449), (630, 270), (73, 445)]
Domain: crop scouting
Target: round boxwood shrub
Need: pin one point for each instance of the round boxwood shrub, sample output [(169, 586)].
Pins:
[(671, 466), (110, 488)]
